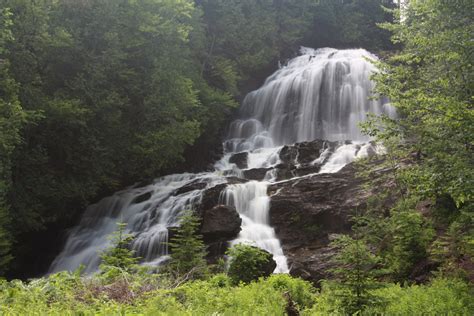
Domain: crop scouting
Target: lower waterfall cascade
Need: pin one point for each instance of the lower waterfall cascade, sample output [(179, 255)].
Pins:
[(321, 94)]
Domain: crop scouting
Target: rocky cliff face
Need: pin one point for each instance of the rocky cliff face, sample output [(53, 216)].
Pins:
[(306, 212), (306, 208)]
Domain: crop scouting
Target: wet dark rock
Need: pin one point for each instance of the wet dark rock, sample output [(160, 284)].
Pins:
[(142, 197), (301, 159), (220, 223), (240, 159), (193, 185), (235, 180), (421, 272), (210, 196), (306, 152), (256, 174)]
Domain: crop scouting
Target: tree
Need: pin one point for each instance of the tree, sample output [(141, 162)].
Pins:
[(119, 255), (108, 82), (430, 82), (248, 263), (355, 273), (12, 118), (410, 238), (350, 24), (188, 251)]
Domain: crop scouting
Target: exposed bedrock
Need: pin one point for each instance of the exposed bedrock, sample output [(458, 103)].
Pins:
[(306, 212)]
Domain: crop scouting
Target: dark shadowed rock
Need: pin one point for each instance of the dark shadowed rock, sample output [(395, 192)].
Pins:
[(220, 223), (303, 158), (240, 159), (194, 185), (306, 211), (210, 196), (306, 152), (310, 264), (142, 197), (256, 174)]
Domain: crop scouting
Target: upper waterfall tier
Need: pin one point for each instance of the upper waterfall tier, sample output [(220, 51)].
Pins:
[(322, 94)]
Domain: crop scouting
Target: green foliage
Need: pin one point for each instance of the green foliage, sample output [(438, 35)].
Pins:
[(145, 294), (300, 291), (430, 84), (355, 272), (351, 24), (188, 251), (118, 257), (12, 118), (429, 146), (441, 297), (247, 263), (150, 294), (409, 242), (455, 247)]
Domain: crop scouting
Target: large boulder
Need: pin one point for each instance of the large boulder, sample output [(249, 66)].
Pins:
[(240, 159), (220, 223)]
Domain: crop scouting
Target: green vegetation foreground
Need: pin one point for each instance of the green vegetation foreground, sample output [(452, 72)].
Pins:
[(69, 294)]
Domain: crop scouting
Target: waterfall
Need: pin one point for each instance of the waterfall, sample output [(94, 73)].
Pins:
[(321, 94)]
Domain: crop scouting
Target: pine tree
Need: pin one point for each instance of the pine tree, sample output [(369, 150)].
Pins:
[(119, 255), (355, 272), (188, 250)]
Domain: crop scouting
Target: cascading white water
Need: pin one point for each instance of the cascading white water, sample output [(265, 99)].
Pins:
[(322, 94), (319, 94), (253, 204)]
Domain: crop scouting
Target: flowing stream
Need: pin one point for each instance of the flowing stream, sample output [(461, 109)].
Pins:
[(321, 94)]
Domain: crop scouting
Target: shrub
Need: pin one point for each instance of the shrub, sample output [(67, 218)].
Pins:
[(248, 263), (300, 291), (441, 297)]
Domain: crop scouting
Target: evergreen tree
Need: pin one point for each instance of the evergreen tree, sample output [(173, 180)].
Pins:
[(355, 273), (188, 251), (119, 255)]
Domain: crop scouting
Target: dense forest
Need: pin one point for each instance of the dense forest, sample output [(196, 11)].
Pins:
[(98, 95)]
